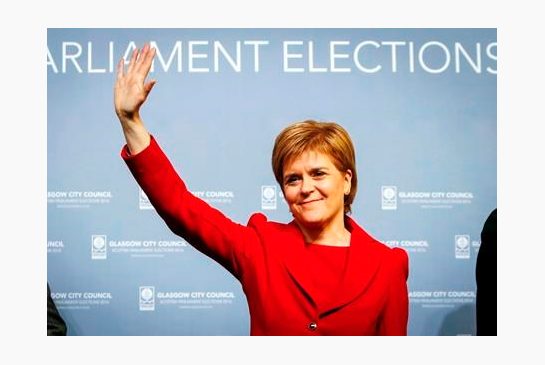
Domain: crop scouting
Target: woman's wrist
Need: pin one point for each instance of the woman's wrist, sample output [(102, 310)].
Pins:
[(136, 134)]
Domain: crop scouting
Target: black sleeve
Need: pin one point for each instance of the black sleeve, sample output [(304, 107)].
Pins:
[(55, 324), (486, 275)]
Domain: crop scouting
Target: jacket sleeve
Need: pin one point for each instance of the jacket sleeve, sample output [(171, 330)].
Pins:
[(396, 312), (203, 226), (55, 323)]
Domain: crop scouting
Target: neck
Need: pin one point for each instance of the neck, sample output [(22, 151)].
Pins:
[(332, 234)]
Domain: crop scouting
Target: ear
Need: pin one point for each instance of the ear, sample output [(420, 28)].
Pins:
[(347, 181)]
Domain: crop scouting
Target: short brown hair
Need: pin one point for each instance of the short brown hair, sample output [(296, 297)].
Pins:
[(325, 137)]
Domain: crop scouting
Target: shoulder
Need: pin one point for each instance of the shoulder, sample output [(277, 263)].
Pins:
[(257, 220), (260, 222), (395, 259), (400, 261)]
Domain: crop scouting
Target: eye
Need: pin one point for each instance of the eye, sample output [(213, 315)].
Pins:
[(291, 180), (319, 173)]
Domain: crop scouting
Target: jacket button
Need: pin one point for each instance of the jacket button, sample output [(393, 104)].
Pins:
[(312, 326)]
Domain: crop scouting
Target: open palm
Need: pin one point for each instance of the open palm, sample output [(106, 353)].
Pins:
[(131, 90)]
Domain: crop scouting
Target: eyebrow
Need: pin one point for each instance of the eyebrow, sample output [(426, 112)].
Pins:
[(295, 174)]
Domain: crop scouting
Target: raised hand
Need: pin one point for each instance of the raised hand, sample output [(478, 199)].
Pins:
[(131, 90)]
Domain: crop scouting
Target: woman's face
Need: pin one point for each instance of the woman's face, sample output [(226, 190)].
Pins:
[(314, 189)]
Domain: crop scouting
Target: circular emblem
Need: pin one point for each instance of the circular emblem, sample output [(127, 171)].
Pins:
[(99, 243), (268, 193), (462, 242), (146, 293), (389, 193)]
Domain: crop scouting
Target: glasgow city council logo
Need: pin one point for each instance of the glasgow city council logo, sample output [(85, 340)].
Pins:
[(389, 197), (98, 247), (268, 197), (147, 298), (461, 246)]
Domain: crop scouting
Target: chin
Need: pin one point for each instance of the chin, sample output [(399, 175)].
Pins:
[(311, 220)]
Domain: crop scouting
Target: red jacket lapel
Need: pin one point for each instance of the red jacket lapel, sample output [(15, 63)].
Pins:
[(296, 263), (363, 262)]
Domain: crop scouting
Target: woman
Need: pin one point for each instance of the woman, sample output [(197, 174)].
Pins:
[(321, 274)]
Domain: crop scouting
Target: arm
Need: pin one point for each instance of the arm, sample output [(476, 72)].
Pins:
[(55, 323), (396, 312), (206, 228), (130, 92), (203, 226)]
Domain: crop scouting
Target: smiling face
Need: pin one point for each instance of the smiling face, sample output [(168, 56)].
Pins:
[(315, 189)]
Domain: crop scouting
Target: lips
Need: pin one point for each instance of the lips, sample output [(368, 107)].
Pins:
[(310, 201)]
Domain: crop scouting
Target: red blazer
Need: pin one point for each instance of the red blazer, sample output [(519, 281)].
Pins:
[(268, 260)]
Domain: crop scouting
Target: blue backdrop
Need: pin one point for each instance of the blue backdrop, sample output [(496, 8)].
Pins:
[(420, 105)]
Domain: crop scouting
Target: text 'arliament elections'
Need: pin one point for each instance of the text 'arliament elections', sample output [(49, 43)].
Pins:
[(365, 57)]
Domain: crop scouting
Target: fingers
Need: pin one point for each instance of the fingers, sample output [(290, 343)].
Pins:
[(133, 60), (147, 59), (141, 61), (149, 85), (120, 67), (139, 65), (144, 60)]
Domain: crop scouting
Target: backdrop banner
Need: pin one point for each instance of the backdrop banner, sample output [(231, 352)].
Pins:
[(420, 105)]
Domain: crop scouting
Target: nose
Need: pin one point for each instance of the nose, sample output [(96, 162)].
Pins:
[(307, 186)]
